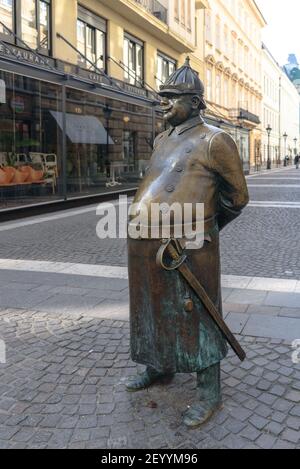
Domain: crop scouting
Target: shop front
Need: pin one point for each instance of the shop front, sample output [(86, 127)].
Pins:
[(66, 136)]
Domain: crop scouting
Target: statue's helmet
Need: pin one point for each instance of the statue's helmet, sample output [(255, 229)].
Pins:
[(185, 80)]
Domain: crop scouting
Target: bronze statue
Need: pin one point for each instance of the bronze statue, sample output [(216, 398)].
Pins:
[(173, 329)]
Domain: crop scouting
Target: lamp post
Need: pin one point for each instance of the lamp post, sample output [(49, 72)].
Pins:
[(285, 136), (269, 130), (295, 140), (107, 111)]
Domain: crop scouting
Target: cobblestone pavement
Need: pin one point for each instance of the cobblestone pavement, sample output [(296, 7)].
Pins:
[(265, 239), (62, 384), (63, 387)]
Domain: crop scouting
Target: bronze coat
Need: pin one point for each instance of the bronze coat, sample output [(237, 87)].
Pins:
[(193, 163)]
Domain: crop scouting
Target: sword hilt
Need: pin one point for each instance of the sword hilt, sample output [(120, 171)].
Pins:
[(176, 254)]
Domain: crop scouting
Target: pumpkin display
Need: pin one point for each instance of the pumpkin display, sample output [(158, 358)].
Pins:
[(10, 171)]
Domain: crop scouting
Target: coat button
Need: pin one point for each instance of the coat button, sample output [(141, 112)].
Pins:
[(170, 188), (179, 168), (189, 149), (188, 305)]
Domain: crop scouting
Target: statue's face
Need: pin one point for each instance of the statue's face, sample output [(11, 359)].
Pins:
[(179, 108)]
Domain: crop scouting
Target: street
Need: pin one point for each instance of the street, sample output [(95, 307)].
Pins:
[(64, 323)]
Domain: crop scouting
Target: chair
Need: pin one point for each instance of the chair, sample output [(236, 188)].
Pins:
[(22, 159), (50, 162), (51, 170), (3, 158), (37, 158)]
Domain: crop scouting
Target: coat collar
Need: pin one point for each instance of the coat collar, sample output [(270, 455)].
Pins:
[(187, 125)]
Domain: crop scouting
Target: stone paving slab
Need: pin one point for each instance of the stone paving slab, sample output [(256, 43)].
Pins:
[(237, 322), (292, 300), (272, 327), (254, 297), (63, 387)]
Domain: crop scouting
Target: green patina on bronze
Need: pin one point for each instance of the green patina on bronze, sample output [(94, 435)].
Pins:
[(171, 330)]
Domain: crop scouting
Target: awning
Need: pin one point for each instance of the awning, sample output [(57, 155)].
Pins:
[(83, 129)]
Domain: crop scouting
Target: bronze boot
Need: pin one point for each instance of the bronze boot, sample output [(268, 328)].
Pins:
[(209, 392), (147, 379)]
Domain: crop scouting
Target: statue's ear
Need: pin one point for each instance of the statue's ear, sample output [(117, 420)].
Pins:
[(196, 102)]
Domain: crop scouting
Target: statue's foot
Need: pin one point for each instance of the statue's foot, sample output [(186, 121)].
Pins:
[(198, 414), (147, 379)]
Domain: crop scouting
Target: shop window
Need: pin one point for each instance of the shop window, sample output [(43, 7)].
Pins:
[(30, 142), (133, 60), (91, 39), (165, 67), (129, 150), (30, 20)]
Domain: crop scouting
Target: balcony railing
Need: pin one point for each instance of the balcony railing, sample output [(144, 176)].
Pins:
[(155, 8), (244, 115)]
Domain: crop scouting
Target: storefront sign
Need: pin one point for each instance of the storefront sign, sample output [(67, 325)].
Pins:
[(2, 92), (24, 55), (17, 104)]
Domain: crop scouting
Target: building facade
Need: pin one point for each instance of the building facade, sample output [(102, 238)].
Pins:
[(78, 101), (280, 111), (233, 76)]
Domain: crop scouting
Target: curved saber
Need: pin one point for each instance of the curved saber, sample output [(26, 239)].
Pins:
[(174, 251)]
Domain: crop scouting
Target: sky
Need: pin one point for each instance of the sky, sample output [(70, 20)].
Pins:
[(281, 36)]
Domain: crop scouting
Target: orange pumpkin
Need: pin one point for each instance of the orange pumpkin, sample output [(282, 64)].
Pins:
[(20, 177), (10, 171), (27, 170), (37, 175), (3, 177)]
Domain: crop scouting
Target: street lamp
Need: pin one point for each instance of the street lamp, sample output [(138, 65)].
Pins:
[(285, 136), (295, 140), (269, 130)]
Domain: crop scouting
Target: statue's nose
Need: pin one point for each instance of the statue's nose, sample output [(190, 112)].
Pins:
[(164, 102)]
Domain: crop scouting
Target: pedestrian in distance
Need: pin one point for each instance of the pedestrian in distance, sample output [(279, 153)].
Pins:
[(297, 161)]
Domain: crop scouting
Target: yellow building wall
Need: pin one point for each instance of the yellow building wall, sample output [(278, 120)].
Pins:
[(64, 22), (65, 17)]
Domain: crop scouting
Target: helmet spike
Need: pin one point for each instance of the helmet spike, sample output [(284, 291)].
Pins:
[(187, 61)]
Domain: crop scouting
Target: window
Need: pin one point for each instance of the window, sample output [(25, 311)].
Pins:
[(44, 25), (218, 89), (233, 47), (28, 23), (209, 84), (218, 34), (189, 16), (165, 68), (28, 19), (176, 10), (91, 39), (208, 26), (226, 41), (6, 15), (129, 150), (226, 92), (182, 13), (133, 60)]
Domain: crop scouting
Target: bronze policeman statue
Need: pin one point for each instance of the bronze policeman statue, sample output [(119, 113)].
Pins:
[(172, 311)]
